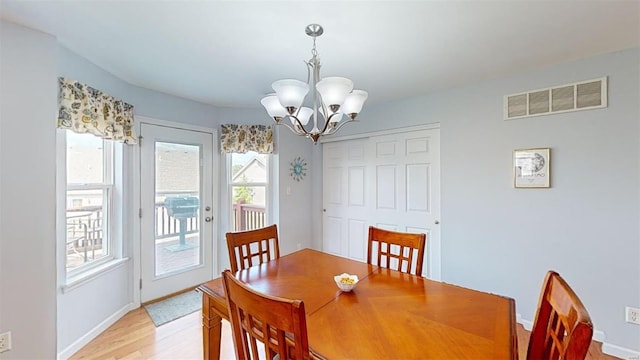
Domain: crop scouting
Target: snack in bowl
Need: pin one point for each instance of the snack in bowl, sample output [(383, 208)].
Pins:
[(345, 281)]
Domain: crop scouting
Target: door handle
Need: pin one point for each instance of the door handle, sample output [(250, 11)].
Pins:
[(208, 218)]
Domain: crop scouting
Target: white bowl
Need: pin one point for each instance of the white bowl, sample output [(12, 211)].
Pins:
[(345, 281)]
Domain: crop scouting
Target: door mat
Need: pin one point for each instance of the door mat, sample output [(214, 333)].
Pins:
[(175, 307)]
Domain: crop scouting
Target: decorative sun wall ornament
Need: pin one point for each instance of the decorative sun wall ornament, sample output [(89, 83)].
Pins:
[(298, 168)]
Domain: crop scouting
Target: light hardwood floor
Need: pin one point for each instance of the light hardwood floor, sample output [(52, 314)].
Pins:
[(136, 337), (595, 350)]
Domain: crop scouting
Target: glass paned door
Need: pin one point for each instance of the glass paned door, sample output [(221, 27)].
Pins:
[(177, 203), (177, 217)]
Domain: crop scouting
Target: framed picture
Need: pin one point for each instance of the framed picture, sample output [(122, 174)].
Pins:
[(531, 168)]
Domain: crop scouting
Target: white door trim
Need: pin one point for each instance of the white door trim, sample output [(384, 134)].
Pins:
[(337, 230), (136, 230), (177, 125), (381, 133)]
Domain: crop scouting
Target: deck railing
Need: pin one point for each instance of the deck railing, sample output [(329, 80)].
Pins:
[(84, 235), (248, 217), (85, 226), (168, 226)]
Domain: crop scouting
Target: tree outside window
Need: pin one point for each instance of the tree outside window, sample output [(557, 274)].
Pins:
[(248, 190)]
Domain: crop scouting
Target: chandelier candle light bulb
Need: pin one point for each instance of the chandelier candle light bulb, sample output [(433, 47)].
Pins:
[(333, 97)]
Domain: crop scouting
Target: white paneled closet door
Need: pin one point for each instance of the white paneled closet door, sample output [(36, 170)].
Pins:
[(391, 181), (345, 204)]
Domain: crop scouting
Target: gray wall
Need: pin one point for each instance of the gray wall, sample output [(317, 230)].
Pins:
[(586, 226), (294, 213), (146, 102), (27, 192)]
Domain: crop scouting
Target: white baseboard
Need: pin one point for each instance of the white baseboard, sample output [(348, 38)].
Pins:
[(619, 351), (528, 325), (92, 334), (598, 335)]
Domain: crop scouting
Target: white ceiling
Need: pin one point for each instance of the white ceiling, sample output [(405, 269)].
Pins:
[(227, 53)]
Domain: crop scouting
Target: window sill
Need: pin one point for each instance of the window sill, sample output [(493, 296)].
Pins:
[(85, 277)]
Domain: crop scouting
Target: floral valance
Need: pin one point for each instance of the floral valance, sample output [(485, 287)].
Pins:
[(84, 109), (243, 138)]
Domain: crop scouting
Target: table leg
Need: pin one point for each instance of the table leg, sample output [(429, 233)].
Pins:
[(211, 330)]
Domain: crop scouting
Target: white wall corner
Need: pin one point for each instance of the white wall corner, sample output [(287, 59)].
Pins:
[(93, 333)]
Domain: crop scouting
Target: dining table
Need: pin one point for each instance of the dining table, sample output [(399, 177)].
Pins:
[(388, 314)]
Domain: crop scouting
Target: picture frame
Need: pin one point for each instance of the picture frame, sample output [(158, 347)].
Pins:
[(532, 168)]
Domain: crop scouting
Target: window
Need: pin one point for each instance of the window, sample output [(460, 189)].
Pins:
[(89, 179), (248, 190)]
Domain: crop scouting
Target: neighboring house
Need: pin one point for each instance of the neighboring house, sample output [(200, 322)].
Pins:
[(80, 172), (254, 171), (176, 167)]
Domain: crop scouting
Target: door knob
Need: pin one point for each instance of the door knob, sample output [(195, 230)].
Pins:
[(208, 219), (437, 222)]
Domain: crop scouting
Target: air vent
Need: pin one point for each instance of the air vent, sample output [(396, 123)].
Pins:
[(584, 95)]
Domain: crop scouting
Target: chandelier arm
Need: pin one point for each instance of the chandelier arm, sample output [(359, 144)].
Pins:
[(291, 128), (300, 129), (327, 121), (304, 131), (342, 123), (324, 112)]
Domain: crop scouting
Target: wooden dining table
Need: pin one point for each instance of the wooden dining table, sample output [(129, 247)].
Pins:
[(388, 315)]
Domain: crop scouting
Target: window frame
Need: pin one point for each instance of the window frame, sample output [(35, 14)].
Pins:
[(107, 232), (267, 186), (111, 204)]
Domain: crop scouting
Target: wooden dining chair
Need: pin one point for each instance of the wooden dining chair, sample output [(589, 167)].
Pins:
[(252, 247), (279, 324), (396, 250), (562, 328)]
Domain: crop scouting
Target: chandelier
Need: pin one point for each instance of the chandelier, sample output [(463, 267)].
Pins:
[(332, 97)]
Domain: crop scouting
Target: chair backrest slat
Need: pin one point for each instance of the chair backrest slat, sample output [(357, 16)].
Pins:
[(562, 329), (278, 323), (252, 247), (397, 250)]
